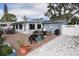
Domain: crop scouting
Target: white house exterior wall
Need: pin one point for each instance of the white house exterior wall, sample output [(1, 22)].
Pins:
[(31, 31), (52, 27), (20, 30), (27, 30), (49, 26)]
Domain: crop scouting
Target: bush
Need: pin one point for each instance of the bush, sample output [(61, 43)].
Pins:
[(5, 50), (1, 33), (10, 31), (1, 40)]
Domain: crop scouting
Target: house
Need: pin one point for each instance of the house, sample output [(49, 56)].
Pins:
[(28, 27), (51, 26)]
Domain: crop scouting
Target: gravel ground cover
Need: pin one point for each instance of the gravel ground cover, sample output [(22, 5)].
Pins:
[(60, 46)]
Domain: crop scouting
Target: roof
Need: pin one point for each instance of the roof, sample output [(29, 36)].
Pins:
[(49, 22), (28, 22), (44, 22), (6, 22)]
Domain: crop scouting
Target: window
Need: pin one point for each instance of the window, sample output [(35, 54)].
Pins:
[(32, 26), (39, 26), (20, 26), (16, 26), (13, 26)]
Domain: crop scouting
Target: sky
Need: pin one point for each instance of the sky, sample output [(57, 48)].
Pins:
[(30, 10)]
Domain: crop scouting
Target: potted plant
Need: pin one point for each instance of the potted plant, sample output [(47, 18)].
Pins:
[(23, 48), (6, 50)]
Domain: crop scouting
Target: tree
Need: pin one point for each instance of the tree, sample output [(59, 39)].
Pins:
[(5, 9), (62, 11), (7, 17)]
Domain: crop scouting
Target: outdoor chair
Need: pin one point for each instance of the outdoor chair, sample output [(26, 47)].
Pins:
[(32, 38), (36, 36)]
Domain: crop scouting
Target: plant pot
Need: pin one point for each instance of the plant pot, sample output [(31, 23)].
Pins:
[(6, 51), (57, 32), (23, 50), (44, 32), (28, 48), (13, 53)]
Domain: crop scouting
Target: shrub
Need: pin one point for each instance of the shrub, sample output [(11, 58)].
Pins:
[(10, 31), (1, 33), (5, 50), (1, 40)]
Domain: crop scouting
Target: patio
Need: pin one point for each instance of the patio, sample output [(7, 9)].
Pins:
[(12, 39)]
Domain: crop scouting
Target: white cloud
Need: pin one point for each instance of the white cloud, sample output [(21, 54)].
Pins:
[(1, 13), (21, 12), (31, 10), (37, 11), (41, 7)]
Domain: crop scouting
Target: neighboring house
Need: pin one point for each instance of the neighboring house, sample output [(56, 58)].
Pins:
[(6, 25)]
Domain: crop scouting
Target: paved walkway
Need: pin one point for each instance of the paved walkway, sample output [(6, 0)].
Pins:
[(12, 39), (60, 46)]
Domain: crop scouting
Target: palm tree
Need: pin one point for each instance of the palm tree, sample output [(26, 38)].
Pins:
[(7, 17)]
